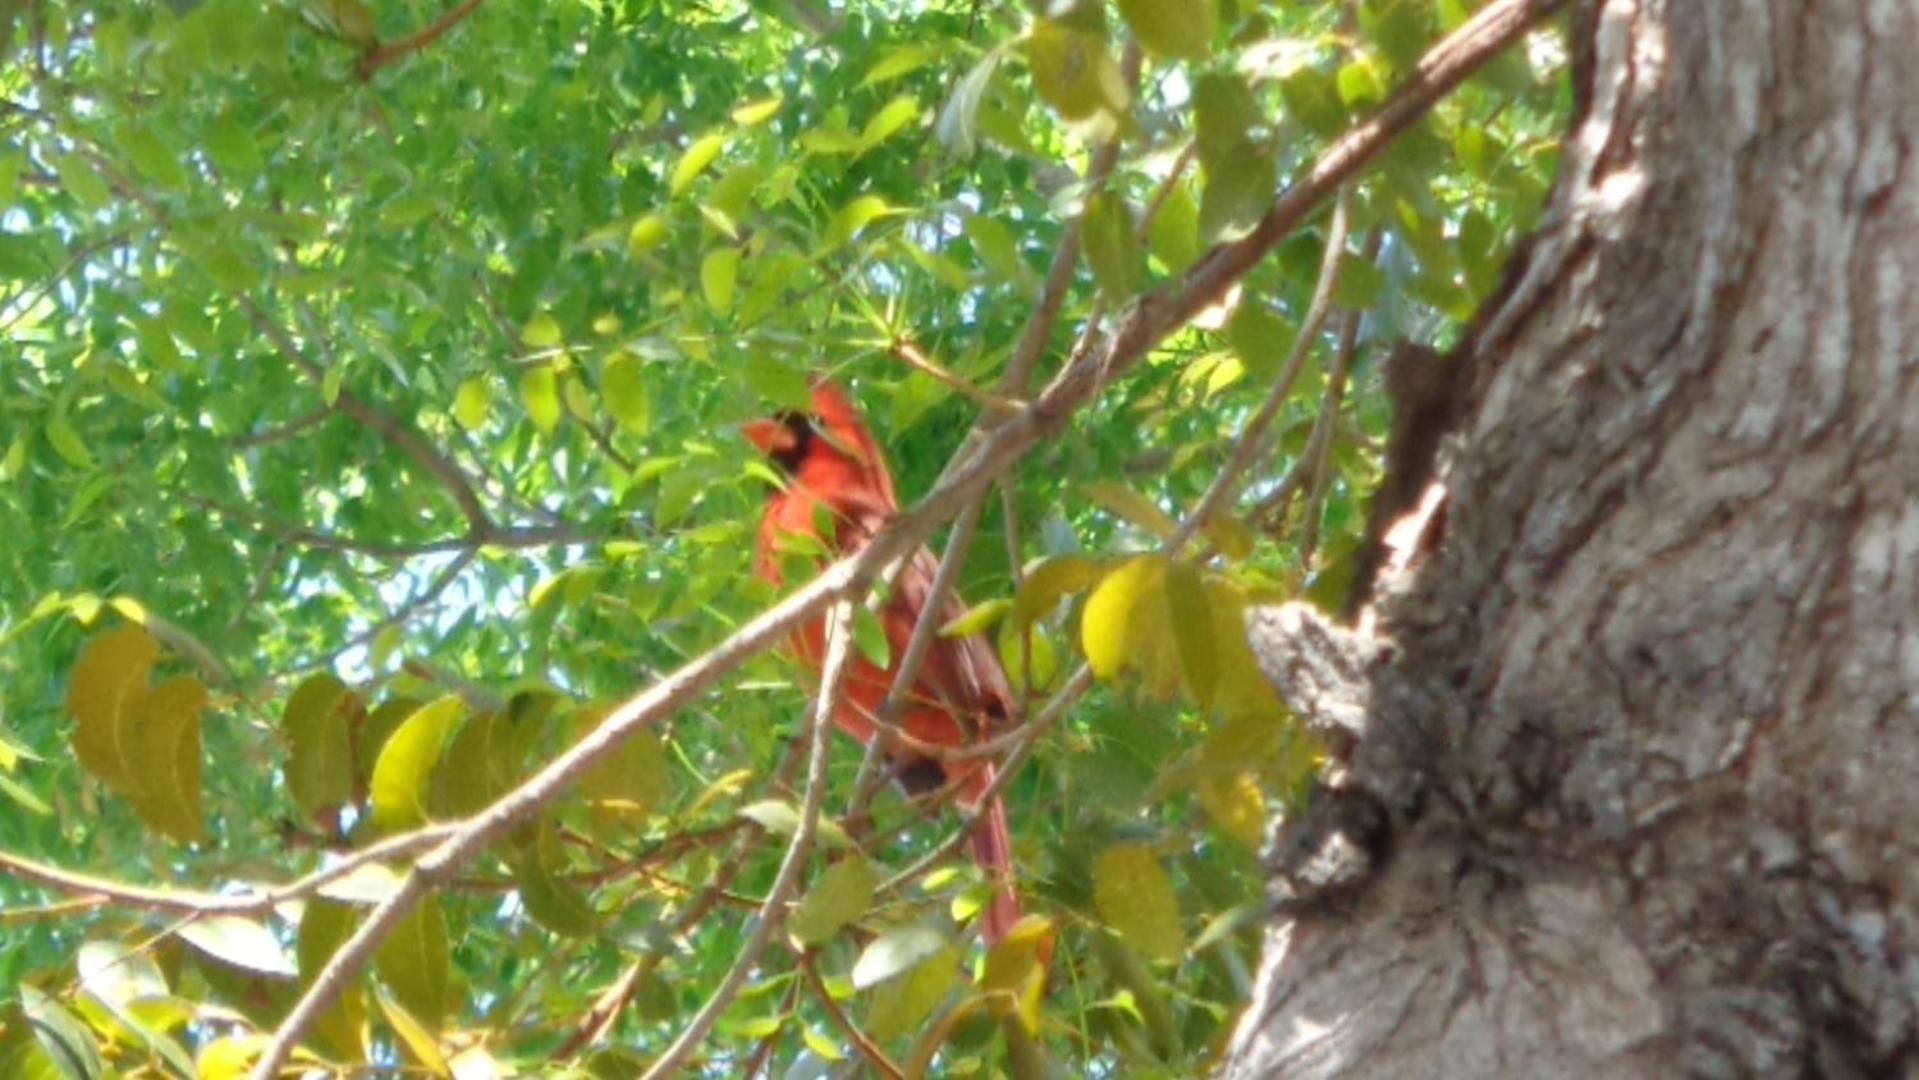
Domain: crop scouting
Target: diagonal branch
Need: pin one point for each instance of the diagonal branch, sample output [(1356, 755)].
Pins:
[(382, 55)]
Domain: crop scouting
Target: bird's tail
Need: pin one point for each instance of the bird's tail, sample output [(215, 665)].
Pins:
[(993, 853)]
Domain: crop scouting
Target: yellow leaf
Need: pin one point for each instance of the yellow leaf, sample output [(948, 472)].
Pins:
[(624, 391), (1236, 806), (1136, 899), (1123, 610), (540, 393), (1181, 29), (416, 1038), (1015, 977), (647, 233), (719, 273), (757, 112), (402, 776), (110, 675), (168, 744), (317, 724), (698, 156), (469, 404), (542, 331)]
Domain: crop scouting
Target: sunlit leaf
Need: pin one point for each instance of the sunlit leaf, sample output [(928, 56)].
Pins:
[(402, 777), (899, 951), (241, 942), (540, 393), (719, 273), (700, 154), (757, 112)]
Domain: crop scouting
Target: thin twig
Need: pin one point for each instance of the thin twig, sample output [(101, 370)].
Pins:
[(1320, 446), (875, 1056), (839, 636), (911, 355), (1246, 447)]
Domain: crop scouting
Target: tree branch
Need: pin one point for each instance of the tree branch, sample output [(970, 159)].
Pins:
[(382, 55)]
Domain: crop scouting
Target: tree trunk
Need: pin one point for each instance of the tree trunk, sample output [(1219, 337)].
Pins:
[(1630, 769)]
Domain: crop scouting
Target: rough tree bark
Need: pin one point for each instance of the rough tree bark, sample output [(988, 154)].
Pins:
[(1631, 760)]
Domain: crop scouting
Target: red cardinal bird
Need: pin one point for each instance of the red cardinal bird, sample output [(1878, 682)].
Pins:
[(960, 695)]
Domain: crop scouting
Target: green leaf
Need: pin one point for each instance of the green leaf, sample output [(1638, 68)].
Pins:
[(64, 440), (65, 1040), (854, 216), (1238, 193), (889, 120), (623, 389), (403, 774), (1174, 235), (782, 818), (903, 60), (540, 393), (1192, 622), (1132, 507), (150, 157), (630, 782), (1179, 29), (104, 691), (994, 244), (1360, 283), (869, 637), (552, 901), (1112, 247), (1260, 338), (325, 925), (1224, 117), (81, 182), (1048, 581), (843, 894), (415, 964), (1135, 898), (232, 149), (1073, 71), (719, 273), (958, 125), (778, 382), (702, 153), (1312, 97)]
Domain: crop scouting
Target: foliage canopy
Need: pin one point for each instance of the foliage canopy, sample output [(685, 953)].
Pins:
[(368, 409)]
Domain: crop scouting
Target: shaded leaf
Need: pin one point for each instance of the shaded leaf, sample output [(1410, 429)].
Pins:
[(1135, 898)]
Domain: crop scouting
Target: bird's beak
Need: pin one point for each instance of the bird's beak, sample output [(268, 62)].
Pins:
[(769, 436)]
